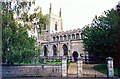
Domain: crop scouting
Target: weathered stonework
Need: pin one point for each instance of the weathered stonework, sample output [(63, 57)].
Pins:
[(56, 42)]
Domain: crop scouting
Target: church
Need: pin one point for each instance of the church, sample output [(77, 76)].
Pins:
[(56, 42)]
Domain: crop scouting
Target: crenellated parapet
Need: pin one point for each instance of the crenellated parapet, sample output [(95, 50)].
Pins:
[(66, 35)]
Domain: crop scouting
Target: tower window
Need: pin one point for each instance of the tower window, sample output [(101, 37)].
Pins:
[(56, 26)]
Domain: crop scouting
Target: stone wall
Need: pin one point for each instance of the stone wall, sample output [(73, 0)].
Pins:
[(42, 70)]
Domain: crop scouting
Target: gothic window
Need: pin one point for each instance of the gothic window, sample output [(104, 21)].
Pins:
[(61, 38), (57, 38), (73, 37), (54, 50), (77, 36), (45, 50), (53, 38), (56, 26), (69, 37), (65, 49), (65, 38)]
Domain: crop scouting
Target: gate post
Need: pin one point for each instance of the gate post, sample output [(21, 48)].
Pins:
[(79, 67), (64, 66), (110, 72)]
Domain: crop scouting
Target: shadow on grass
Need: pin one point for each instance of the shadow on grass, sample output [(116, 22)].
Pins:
[(103, 69)]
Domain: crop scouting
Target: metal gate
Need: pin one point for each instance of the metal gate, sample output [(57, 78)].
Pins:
[(94, 67)]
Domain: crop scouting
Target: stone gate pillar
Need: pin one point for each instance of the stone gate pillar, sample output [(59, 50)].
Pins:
[(64, 66), (110, 72), (79, 67)]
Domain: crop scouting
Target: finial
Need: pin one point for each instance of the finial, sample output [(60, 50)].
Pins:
[(50, 9), (60, 13)]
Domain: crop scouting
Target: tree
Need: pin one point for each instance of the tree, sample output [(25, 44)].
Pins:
[(17, 46), (100, 37), (42, 20)]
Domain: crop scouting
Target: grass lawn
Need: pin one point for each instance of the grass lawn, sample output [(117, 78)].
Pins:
[(38, 63), (55, 62), (103, 69)]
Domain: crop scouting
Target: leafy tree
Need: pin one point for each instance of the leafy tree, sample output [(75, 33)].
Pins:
[(100, 37), (17, 46), (42, 20)]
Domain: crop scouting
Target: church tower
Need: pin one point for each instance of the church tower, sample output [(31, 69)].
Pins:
[(55, 21), (55, 24)]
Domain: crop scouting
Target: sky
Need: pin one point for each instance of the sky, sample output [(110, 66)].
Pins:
[(77, 13)]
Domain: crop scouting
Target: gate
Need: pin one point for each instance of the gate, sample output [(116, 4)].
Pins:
[(94, 67)]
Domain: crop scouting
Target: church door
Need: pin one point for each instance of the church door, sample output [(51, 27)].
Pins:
[(75, 56)]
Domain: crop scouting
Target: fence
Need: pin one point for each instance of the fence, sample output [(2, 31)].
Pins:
[(91, 69)]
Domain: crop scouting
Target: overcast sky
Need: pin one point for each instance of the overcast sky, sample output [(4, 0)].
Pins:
[(77, 13)]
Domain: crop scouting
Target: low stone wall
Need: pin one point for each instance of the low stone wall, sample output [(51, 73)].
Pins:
[(42, 70)]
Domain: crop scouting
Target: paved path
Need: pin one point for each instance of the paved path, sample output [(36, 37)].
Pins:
[(72, 70), (89, 71)]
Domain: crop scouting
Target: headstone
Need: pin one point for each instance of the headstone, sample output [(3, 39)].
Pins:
[(110, 72), (64, 66), (79, 67)]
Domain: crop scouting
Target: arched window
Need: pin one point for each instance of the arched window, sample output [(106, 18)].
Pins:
[(61, 38), (53, 38), (69, 37), (45, 50), (77, 36), (65, 38), (65, 49), (54, 50), (56, 26), (57, 38), (73, 37)]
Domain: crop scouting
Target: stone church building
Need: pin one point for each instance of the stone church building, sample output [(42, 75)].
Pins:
[(56, 42)]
